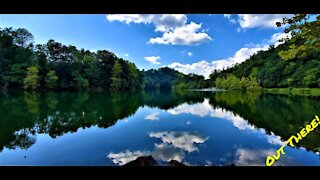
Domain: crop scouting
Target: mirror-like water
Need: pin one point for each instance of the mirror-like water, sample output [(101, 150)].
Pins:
[(195, 128)]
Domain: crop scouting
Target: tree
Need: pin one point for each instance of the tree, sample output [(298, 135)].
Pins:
[(305, 35), (51, 80), (32, 79), (115, 77), (254, 73)]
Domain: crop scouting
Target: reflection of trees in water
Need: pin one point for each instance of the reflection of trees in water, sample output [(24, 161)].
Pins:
[(283, 115), (24, 139), (59, 113)]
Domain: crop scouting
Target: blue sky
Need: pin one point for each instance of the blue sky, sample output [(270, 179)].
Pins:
[(187, 43)]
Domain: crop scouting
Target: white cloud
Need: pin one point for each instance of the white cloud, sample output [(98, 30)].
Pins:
[(182, 140), (184, 35), (125, 157), (190, 54), (175, 29), (257, 157), (200, 109), (172, 147), (205, 109), (228, 16), (153, 59), (231, 20), (130, 18), (240, 56), (167, 152), (152, 116), (250, 157), (260, 20), (278, 36), (201, 68), (126, 55), (205, 68)]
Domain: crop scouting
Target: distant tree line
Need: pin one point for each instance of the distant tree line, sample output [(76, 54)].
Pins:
[(166, 78)]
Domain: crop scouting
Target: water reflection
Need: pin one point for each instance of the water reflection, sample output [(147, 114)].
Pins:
[(173, 146), (152, 116), (196, 128)]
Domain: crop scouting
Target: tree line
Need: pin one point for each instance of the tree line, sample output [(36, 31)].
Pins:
[(54, 66)]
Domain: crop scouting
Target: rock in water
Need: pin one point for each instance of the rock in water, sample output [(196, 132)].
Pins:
[(143, 161), (175, 163)]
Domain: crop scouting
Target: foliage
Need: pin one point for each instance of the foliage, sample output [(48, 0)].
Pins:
[(32, 79), (271, 71), (62, 67), (51, 80), (166, 78), (233, 83), (302, 29), (115, 77)]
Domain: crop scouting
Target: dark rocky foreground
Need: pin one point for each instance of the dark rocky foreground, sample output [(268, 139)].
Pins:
[(149, 161)]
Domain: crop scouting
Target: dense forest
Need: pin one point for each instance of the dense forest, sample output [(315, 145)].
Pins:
[(166, 78), (54, 66), (295, 63)]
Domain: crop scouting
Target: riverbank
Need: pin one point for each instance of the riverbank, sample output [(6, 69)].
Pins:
[(294, 91)]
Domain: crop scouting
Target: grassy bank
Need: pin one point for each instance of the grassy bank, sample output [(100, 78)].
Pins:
[(294, 91)]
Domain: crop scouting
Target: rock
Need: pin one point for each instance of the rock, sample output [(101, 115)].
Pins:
[(149, 161), (143, 161), (175, 163)]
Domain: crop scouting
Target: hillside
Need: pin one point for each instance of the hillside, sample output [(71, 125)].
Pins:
[(271, 71), (290, 65)]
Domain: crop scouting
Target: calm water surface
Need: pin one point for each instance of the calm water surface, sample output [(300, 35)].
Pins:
[(195, 128)]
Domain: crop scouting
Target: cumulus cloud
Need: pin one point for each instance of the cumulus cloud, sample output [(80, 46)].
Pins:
[(187, 34), (152, 116), (167, 152), (153, 59), (199, 109), (240, 56), (205, 109), (127, 156), (203, 68), (279, 36), (173, 147), (182, 140), (175, 29), (260, 20)]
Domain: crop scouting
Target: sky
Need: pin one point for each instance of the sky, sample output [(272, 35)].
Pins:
[(189, 43)]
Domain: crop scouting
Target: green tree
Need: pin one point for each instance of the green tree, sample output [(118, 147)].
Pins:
[(32, 79), (254, 73), (302, 30), (51, 80), (16, 75), (116, 77)]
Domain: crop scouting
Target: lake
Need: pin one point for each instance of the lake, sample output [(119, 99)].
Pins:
[(195, 128)]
